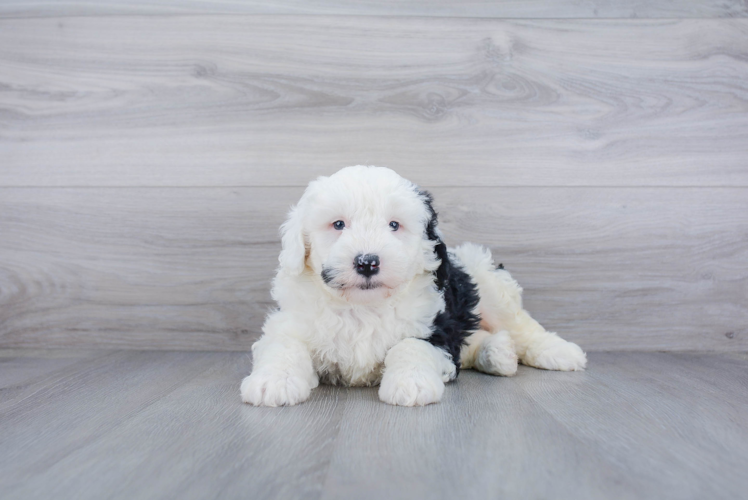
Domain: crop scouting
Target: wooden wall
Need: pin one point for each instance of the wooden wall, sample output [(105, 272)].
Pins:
[(149, 151)]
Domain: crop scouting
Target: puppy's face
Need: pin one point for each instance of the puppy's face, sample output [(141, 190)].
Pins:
[(362, 231)]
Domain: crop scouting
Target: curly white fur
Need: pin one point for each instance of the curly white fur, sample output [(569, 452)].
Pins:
[(351, 330), (415, 372), (502, 314)]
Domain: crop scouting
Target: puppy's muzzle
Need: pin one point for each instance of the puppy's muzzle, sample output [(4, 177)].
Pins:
[(366, 265)]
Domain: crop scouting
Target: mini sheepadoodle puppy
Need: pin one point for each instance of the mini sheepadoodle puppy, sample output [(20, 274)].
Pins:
[(368, 294)]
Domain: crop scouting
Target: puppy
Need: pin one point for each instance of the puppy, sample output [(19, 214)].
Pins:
[(368, 293)]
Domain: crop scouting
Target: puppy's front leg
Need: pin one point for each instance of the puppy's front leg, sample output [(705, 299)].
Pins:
[(414, 373), (282, 373)]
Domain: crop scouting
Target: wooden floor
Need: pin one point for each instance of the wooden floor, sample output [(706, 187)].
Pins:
[(135, 424)]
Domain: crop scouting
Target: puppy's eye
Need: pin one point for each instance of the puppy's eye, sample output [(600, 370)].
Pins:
[(394, 225), (338, 224)]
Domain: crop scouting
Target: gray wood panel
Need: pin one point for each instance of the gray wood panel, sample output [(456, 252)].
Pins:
[(276, 100), (190, 268), (447, 8), (138, 268), (170, 425)]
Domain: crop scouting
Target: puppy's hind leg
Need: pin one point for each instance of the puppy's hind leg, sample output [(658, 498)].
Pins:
[(501, 309), (542, 349), (490, 353)]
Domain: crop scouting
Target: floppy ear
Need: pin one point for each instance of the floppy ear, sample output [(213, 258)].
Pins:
[(432, 232), (293, 253)]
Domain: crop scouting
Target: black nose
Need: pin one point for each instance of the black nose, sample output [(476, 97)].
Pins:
[(366, 265)]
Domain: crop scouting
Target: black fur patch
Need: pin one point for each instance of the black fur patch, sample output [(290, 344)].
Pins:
[(327, 275), (458, 321)]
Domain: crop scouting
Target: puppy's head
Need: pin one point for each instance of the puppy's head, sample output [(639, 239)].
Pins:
[(365, 231)]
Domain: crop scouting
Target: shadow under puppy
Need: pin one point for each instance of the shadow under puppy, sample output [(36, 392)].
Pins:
[(368, 293)]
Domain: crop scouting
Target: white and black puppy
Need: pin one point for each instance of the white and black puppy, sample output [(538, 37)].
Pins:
[(368, 293)]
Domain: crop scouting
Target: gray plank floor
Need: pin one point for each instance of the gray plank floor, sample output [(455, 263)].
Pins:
[(133, 424)]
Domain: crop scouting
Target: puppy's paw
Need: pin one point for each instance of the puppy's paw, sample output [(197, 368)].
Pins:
[(496, 355), (564, 356), (269, 388), (411, 387)]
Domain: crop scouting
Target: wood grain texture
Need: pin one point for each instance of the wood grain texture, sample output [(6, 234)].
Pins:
[(487, 440), (636, 405), (20, 368), (33, 415), (276, 100), (189, 268), (195, 441), (441, 8), (170, 425), (144, 268)]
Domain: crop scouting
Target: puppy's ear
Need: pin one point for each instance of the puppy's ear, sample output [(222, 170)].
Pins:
[(431, 232), (293, 253)]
